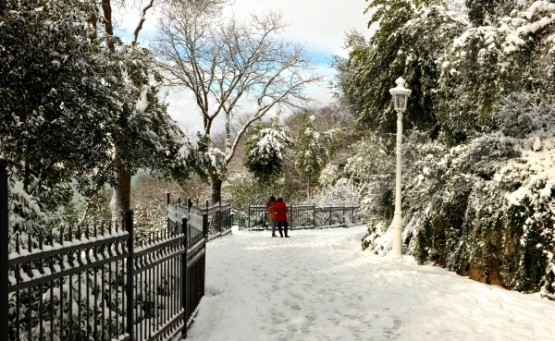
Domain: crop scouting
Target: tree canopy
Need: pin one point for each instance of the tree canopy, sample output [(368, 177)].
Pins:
[(69, 97)]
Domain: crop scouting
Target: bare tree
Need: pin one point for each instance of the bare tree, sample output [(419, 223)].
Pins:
[(121, 199), (224, 63)]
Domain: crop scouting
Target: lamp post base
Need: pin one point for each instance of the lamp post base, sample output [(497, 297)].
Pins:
[(396, 225)]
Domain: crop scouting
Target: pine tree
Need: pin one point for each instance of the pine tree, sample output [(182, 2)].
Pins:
[(265, 150)]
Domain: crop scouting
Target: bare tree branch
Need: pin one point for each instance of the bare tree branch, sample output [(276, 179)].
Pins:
[(225, 63), (141, 22)]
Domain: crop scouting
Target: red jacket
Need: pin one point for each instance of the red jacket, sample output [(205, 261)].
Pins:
[(281, 210)]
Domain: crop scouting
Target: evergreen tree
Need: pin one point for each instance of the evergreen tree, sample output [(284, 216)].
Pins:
[(411, 38), (55, 108), (144, 136), (67, 102), (311, 152), (265, 150), (484, 12), (485, 65)]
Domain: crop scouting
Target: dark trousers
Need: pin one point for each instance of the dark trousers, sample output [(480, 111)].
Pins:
[(283, 224)]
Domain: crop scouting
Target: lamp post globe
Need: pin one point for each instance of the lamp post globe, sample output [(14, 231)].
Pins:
[(400, 96)]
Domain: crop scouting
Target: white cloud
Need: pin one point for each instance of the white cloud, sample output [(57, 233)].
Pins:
[(320, 24)]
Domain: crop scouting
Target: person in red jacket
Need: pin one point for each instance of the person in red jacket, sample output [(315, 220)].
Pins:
[(281, 216)]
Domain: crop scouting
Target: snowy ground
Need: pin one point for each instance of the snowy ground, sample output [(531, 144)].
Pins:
[(319, 285)]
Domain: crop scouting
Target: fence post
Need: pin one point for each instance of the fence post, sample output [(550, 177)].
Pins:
[(205, 225), (249, 218), (314, 216), (290, 213), (168, 198), (185, 273), (221, 219), (205, 230), (130, 280), (344, 221), (4, 220)]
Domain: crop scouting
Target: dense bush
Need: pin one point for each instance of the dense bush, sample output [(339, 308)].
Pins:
[(484, 209)]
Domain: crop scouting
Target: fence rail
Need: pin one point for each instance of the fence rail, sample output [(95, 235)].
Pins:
[(99, 282), (305, 216)]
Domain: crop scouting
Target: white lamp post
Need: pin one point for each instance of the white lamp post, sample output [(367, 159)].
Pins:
[(400, 96)]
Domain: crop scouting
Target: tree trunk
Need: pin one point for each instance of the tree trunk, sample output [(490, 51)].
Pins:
[(216, 188), (26, 177), (121, 199)]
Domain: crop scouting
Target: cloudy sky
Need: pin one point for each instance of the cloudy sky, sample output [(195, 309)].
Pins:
[(320, 25)]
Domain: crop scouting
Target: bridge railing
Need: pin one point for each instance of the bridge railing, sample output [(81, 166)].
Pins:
[(305, 216)]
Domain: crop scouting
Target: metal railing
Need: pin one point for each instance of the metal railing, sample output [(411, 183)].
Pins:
[(305, 216), (100, 283), (194, 271), (220, 218)]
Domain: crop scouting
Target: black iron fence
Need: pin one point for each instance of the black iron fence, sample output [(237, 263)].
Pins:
[(194, 272), (305, 216), (99, 282)]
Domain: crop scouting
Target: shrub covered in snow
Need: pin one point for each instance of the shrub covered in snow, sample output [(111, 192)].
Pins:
[(484, 209), (265, 151)]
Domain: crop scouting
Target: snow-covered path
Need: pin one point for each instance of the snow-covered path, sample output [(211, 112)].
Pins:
[(319, 285)]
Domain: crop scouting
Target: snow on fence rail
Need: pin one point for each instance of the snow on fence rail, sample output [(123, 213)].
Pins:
[(99, 282), (305, 216)]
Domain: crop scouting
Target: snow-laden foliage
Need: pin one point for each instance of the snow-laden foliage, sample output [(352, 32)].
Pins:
[(409, 42), (68, 104), (477, 184), (27, 220), (54, 87), (329, 175), (265, 151), (458, 68), (211, 157), (486, 208), (311, 152), (150, 137), (342, 192), (372, 168), (484, 64), (245, 189)]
